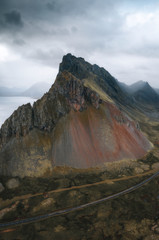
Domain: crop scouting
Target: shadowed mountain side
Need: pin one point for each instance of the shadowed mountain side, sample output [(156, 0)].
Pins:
[(93, 137), (146, 95)]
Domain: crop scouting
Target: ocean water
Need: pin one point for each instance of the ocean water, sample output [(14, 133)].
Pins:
[(9, 104)]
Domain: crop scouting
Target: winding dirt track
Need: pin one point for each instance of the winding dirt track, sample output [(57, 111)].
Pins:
[(107, 181), (64, 211)]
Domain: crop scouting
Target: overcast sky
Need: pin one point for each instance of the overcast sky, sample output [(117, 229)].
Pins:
[(120, 35)]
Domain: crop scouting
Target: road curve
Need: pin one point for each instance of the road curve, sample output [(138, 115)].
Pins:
[(64, 211)]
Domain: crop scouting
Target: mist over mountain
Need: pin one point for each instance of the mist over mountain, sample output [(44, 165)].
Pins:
[(142, 93), (138, 86), (146, 94), (37, 90), (8, 92)]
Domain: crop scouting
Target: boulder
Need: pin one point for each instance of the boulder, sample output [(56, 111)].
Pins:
[(12, 183)]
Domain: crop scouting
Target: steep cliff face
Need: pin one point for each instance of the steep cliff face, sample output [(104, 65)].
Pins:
[(76, 123), (19, 124)]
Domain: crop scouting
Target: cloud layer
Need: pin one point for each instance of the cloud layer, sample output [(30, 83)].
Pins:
[(120, 35)]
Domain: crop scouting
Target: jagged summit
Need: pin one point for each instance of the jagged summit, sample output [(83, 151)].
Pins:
[(76, 124), (94, 77), (80, 68), (138, 86), (146, 95), (143, 96)]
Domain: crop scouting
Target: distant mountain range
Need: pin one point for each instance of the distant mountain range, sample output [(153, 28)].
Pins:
[(8, 92), (36, 91), (141, 92)]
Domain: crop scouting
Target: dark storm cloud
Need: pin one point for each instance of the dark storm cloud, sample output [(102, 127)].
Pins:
[(106, 32), (14, 18), (51, 57), (51, 6), (64, 24), (19, 42)]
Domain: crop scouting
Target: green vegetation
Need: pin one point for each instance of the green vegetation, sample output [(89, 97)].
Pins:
[(149, 159)]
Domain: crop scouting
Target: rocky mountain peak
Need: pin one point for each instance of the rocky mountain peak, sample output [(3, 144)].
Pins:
[(94, 74), (77, 66), (81, 68), (138, 86)]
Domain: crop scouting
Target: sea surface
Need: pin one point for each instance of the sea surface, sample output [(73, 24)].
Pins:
[(9, 104)]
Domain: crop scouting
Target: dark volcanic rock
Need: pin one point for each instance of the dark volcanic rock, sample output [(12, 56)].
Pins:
[(19, 124), (75, 92)]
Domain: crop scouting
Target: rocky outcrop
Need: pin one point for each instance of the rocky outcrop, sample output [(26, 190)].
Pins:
[(76, 124), (19, 124)]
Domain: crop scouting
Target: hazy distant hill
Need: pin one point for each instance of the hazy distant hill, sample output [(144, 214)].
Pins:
[(141, 92), (137, 86), (146, 94), (37, 90), (133, 87), (7, 92)]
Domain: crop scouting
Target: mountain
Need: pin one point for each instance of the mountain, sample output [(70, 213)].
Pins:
[(137, 86), (37, 90), (146, 94), (9, 92), (142, 94), (133, 88), (77, 123)]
